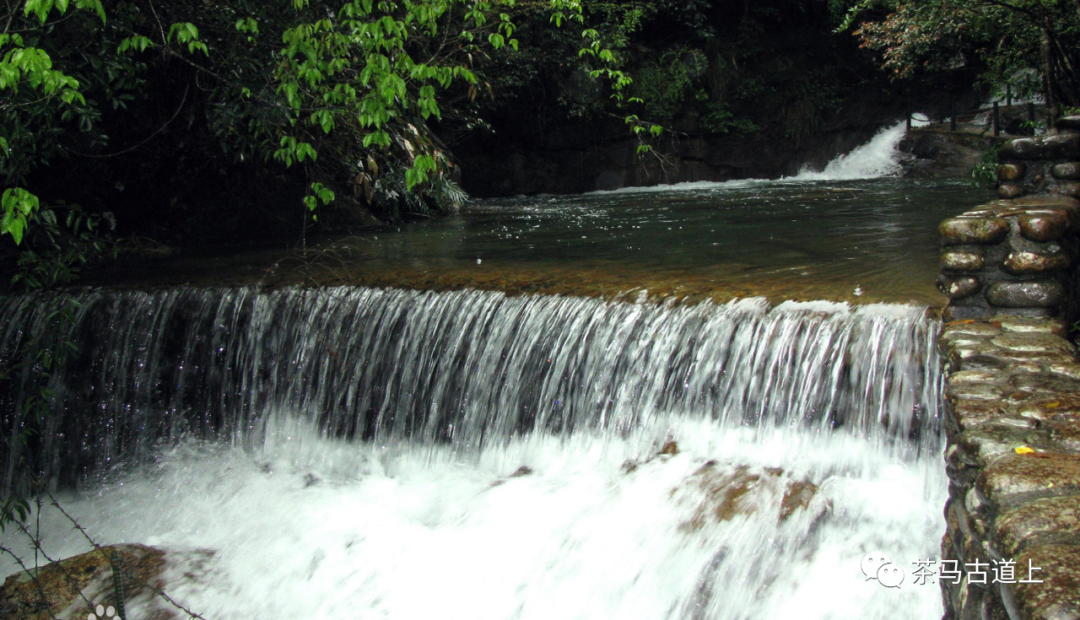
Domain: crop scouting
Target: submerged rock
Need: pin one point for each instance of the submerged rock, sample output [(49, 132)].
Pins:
[(520, 472), (524, 470), (669, 448), (728, 492)]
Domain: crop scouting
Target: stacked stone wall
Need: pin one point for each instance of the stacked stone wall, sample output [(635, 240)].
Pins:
[(1012, 397)]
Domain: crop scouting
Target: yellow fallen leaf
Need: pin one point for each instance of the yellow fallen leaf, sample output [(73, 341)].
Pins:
[(1023, 450)]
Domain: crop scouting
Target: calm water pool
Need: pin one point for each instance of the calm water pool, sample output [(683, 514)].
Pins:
[(870, 240), (866, 240)]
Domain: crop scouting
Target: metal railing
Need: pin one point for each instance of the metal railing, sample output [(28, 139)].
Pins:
[(994, 109)]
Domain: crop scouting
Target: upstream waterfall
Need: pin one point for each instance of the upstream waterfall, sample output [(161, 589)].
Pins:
[(363, 453)]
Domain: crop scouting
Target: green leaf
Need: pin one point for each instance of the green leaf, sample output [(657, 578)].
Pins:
[(40, 8), (248, 25)]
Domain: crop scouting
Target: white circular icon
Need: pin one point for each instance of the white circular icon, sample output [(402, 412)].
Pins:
[(872, 562), (103, 613), (890, 576)]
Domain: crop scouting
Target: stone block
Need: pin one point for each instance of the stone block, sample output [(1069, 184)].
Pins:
[(1016, 478), (1027, 263), (1042, 201), (957, 287), (1059, 146), (1040, 294), (1033, 342), (1068, 121), (1010, 190), (953, 313), (1044, 226), (1069, 170), (957, 231), (1065, 188), (971, 328), (1065, 436), (974, 390), (1053, 520), (1021, 325), (1058, 596), (957, 260), (1011, 172), (979, 447)]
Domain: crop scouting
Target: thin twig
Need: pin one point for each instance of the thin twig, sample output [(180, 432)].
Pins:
[(148, 138)]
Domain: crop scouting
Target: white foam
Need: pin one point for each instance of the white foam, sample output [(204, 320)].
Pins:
[(386, 533), (825, 307), (877, 158)]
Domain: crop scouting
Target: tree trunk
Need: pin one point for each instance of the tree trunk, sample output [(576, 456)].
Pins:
[(1050, 82)]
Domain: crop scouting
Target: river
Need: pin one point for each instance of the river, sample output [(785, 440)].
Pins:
[(577, 407)]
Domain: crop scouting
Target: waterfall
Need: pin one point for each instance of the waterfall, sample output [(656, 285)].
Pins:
[(877, 158), (470, 368), (347, 452), (880, 157)]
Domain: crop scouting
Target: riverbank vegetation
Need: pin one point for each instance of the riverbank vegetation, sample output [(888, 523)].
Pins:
[(133, 123), (185, 117), (1030, 46)]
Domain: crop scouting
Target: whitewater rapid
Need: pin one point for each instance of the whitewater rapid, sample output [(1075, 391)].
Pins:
[(285, 507), (313, 528), (880, 157)]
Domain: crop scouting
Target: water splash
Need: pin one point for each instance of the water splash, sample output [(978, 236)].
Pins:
[(312, 528), (877, 158), (347, 452)]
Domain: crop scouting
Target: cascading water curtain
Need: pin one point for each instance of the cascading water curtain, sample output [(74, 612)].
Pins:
[(470, 369)]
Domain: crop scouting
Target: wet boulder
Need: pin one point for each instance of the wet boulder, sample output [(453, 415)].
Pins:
[(76, 586), (726, 492), (1042, 294), (982, 230)]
